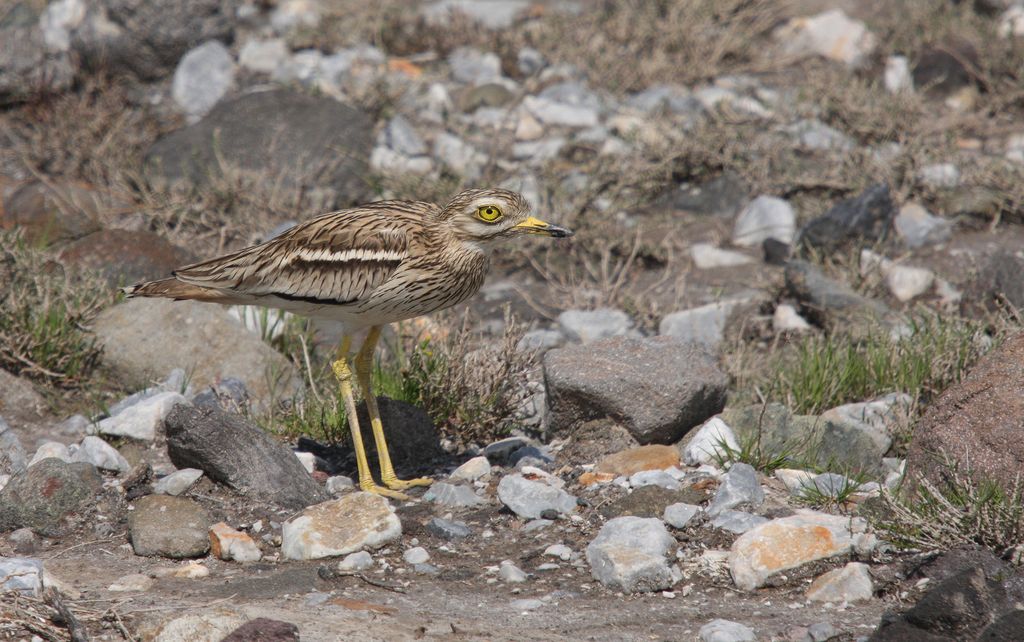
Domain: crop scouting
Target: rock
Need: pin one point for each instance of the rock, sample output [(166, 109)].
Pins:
[(977, 421), (338, 484), (23, 540), (649, 501), (787, 319), (739, 486), (39, 497), (264, 629), (628, 555), (123, 257), (400, 136), (737, 521), (294, 14), (203, 76), (1010, 624), (413, 440), (559, 114), (358, 561), (452, 495), (447, 529), (177, 482), (831, 34), (531, 499), (493, 14), (917, 227), (763, 218), (353, 522), (491, 94), (726, 631), (680, 514), (654, 478), (50, 450), (228, 544), (142, 420), (416, 555), (586, 326), (815, 135), (173, 527), (541, 340), (100, 454), (791, 542), (471, 66), (509, 572), (635, 460), (458, 155), (865, 219), (867, 426), (315, 144), (706, 256), (472, 470), (263, 56), (501, 450), (795, 481), (29, 64), (657, 388), (530, 61), (202, 339), (710, 444), (896, 77), (56, 211), (1011, 22), (12, 455), (232, 451), (561, 551), (704, 325), (851, 583), (999, 281), (21, 574), (200, 627), (132, 582), (721, 197), (308, 461), (939, 176), (834, 303)]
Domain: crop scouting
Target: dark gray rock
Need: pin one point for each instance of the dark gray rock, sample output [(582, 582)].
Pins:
[(499, 451), (999, 281), (28, 67), (12, 455), (722, 197), (232, 451), (313, 143), (1005, 629), (167, 526), (264, 630), (658, 388), (39, 497), (858, 221), (448, 529), (945, 67), (831, 303)]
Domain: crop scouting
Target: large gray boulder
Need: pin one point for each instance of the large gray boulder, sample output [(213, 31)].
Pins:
[(658, 388), (42, 495), (293, 139)]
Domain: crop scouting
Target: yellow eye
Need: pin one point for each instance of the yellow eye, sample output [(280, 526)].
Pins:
[(488, 213)]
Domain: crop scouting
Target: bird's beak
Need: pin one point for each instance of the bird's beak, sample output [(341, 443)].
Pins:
[(536, 226)]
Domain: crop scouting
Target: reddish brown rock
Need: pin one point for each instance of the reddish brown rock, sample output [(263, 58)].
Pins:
[(634, 460), (978, 422), (126, 256), (53, 211)]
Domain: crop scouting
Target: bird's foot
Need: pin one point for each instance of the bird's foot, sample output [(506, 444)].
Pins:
[(371, 487), (395, 483)]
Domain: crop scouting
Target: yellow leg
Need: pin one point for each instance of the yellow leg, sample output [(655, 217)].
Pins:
[(363, 363), (344, 375)]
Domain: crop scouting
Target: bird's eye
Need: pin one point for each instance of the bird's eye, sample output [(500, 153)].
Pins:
[(488, 213)]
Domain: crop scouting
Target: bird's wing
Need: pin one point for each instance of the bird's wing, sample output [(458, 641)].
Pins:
[(338, 258)]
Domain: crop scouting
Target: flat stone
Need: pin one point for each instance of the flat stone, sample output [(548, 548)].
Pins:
[(173, 527), (561, 551), (657, 388), (472, 470), (206, 626), (737, 521), (763, 218), (726, 631), (917, 227), (851, 583), (353, 522), (628, 555), (704, 324), (226, 543), (634, 460), (448, 529), (99, 453), (739, 486), (232, 451), (452, 495), (654, 478), (680, 514), (830, 34), (706, 256), (791, 542), (834, 303), (531, 499), (50, 450), (41, 496), (21, 574), (510, 573), (586, 326), (358, 561), (710, 443), (204, 75), (142, 420), (795, 481), (177, 482), (472, 66)]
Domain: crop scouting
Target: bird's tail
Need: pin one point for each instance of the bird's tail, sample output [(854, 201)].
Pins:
[(172, 288)]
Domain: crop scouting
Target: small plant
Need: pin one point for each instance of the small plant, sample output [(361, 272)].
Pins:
[(831, 495), (751, 452), (43, 313), (964, 508)]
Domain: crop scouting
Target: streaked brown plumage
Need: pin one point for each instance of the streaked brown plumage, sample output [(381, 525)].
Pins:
[(367, 266)]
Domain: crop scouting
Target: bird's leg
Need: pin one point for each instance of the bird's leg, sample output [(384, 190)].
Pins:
[(344, 376), (363, 364)]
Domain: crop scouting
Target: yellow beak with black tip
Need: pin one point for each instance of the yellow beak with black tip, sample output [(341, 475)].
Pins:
[(536, 226)]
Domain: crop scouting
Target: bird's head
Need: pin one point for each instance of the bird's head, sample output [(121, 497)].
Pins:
[(483, 215)]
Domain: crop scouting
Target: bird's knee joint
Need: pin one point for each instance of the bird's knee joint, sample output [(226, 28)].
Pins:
[(341, 370)]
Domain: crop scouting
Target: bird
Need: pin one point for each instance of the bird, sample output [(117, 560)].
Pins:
[(366, 266)]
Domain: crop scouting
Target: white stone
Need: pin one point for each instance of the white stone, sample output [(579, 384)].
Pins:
[(58, 20), (907, 282), (305, 67), (795, 480), (764, 218), (308, 460), (474, 67), (94, 450), (200, 627), (586, 326), (939, 175), (897, 76), (816, 135), (726, 631), (263, 56), (292, 14), (704, 324), (851, 583), (472, 470), (350, 523), (550, 112), (203, 76), (416, 555), (706, 445), (493, 14), (538, 151), (831, 34), (918, 227), (528, 127), (706, 256), (1011, 22), (177, 482), (530, 498), (460, 156), (511, 573), (359, 561), (561, 551), (737, 521), (628, 555), (653, 478), (50, 449), (787, 319), (401, 136), (339, 484), (680, 514), (141, 420), (388, 161)]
